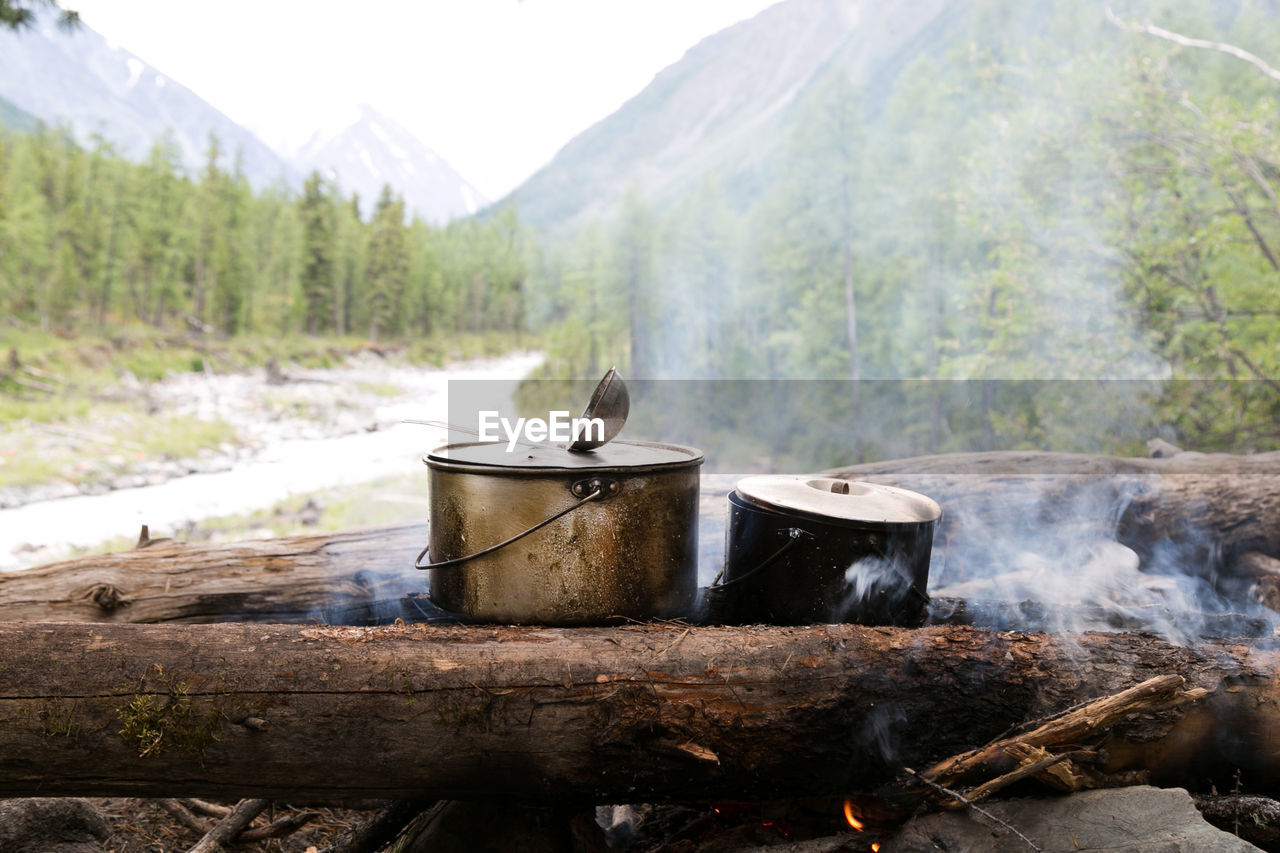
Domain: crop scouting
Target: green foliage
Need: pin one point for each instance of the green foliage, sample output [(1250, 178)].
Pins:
[(315, 210), (1039, 194), (20, 14), (14, 118), (91, 240), (388, 265)]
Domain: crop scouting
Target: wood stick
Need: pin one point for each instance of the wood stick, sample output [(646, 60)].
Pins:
[(960, 798), (1080, 724), (184, 816), (1214, 506), (1064, 776), (377, 831), (226, 830), (205, 807), (278, 828), (1034, 768)]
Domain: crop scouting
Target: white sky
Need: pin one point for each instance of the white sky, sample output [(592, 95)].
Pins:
[(495, 87)]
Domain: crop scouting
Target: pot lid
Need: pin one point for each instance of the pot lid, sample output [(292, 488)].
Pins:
[(839, 500), (628, 455)]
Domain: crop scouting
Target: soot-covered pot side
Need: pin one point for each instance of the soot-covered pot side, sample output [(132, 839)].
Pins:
[(629, 552)]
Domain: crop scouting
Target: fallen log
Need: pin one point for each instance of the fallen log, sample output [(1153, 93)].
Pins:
[(630, 714), (1201, 510), (1212, 509), (352, 577)]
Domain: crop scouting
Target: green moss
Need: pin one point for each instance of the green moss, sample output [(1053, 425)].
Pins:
[(165, 721)]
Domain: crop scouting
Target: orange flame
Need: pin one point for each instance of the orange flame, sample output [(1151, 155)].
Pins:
[(850, 816), (875, 848)]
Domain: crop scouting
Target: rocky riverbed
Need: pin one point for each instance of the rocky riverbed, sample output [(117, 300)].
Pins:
[(291, 431), (262, 409)]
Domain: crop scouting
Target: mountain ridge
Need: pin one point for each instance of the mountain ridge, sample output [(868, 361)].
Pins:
[(373, 150), (723, 109), (80, 80)]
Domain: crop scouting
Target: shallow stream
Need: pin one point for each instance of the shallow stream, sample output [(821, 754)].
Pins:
[(285, 463)]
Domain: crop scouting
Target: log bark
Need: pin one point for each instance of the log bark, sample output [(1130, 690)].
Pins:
[(1208, 508), (353, 577), (1213, 509), (631, 714)]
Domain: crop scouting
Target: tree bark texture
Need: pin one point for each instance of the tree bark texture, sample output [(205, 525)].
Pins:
[(626, 714), (335, 577), (1212, 508), (1218, 512)]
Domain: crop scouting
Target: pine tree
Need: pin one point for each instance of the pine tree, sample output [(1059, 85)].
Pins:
[(388, 265), (315, 209)]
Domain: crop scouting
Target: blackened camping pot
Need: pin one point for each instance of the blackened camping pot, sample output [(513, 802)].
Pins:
[(807, 549), (542, 535)]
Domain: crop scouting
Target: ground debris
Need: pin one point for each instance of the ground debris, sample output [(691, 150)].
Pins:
[(144, 826)]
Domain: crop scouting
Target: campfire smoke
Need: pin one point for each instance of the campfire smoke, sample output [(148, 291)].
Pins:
[(1058, 565), (869, 578)]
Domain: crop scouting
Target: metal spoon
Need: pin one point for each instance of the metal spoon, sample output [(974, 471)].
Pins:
[(610, 403)]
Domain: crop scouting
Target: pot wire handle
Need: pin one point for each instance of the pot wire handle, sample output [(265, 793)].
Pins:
[(598, 490), (793, 539)]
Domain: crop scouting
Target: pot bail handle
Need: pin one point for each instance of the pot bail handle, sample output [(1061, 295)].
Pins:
[(597, 489), (794, 535)]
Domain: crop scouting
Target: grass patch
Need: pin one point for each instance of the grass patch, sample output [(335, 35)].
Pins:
[(393, 500), (40, 453), (179, 438), (81, 367), (437, 350), (21, 463), (379, 389)]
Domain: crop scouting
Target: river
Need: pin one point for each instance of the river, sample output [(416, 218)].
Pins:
[(283, 466)]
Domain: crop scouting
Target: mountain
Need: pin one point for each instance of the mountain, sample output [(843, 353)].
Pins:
[(373, 150), (77, 78), (13, 118), (724, 108)]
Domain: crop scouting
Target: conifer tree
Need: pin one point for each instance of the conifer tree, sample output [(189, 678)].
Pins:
[(388, 264), (315, 209)]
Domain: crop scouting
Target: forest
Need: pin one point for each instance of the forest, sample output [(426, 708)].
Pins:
[(90, 240), (1051, 193), (1046, 191)]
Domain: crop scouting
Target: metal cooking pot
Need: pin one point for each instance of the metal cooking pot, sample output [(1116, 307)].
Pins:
[(541, 535), (802, 550)]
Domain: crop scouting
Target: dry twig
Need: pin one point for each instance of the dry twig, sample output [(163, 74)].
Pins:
[(374, 833), (183, 815), (1179, 39), (1034, 768), (1073, 727), (956, 795), (226, 830), (278, 828)]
